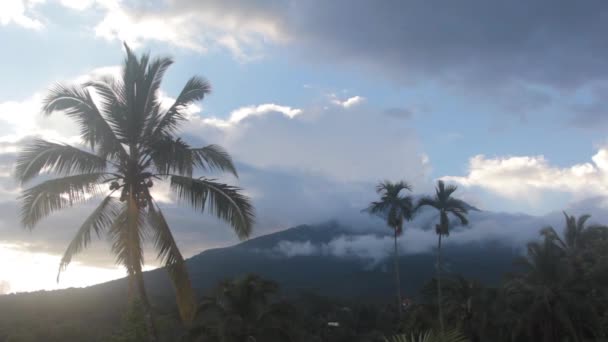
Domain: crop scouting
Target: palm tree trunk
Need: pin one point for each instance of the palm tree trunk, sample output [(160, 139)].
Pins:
[(148, 316), (439, 297), (397, 278)]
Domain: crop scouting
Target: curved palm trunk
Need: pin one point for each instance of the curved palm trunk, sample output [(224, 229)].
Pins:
[(397, 278), (439, 297)]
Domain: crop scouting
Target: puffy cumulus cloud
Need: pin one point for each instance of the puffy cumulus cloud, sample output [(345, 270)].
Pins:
[(21, 13), (356, 144), (531, 178), (23, 118), (242, 113)]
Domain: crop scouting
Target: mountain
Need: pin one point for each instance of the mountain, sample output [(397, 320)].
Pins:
[(329, 259)]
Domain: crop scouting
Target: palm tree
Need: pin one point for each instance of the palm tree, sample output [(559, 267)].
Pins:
[(243, 310), (549, 304), (130, 140), (395, 208), (429, 336), (573, 235), (445, 204)]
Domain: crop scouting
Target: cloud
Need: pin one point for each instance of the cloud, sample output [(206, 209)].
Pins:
[(532, 178), (242, 31), (5, 287), (20, 12), (79, 5), (299, 165), (373, 243), (346, 145), (349, 102), (592, 113), (242, 113), (518, 55)]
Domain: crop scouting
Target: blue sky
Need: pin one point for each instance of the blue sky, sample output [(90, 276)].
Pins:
[(502, 99)]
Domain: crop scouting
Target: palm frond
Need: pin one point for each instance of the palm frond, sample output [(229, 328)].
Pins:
[(429, 336), (99, 220), (77, 103), (224, 201), (113, 104), (42, 155), (52, 195), (154, 76), (172, 156), (376, 208), (214, 158), (461, 216), (127, 234), (172, 259), (195, 90), (427, 201)]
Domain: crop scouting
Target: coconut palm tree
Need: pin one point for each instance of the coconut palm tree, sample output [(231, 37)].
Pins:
[(244, 310), (395, 208), (129, 142), (445, 204)]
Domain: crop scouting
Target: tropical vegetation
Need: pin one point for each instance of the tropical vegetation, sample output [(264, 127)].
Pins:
[(129, 142), (557, 292), (395, 208)]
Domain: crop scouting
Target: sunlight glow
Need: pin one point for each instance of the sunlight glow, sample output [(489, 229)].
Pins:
[(24, 271)]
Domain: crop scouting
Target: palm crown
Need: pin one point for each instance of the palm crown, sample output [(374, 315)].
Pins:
[(445, 203), (131, 142), (393, 205)]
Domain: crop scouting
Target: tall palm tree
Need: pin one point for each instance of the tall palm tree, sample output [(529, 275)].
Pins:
[(131, 141), (244, 310), (445, 204), (395, 208)]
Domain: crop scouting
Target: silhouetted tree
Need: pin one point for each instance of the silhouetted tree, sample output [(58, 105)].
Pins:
[(445, 204), (131, 140), (395, 208), (244, 310)]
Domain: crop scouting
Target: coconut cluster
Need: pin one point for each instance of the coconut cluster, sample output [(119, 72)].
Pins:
[(141, 189)]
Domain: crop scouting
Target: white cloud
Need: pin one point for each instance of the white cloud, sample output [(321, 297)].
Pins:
[(242, 113), (23, 118), (5, 287), (185, 25), (509, 229), (79, 5), (19, 119), (349, 102), (528, 178), (20, 12), (343, 145)]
